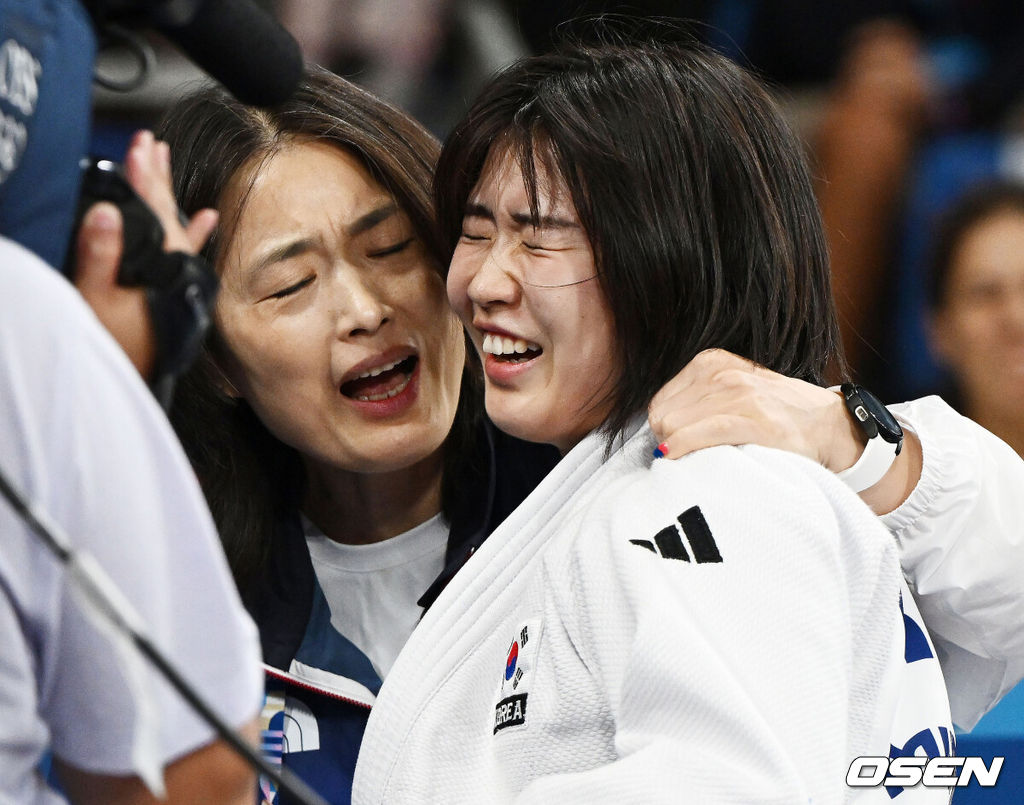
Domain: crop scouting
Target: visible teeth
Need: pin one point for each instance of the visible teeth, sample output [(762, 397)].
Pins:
[(387, 394), (379, 370), (503, 345)]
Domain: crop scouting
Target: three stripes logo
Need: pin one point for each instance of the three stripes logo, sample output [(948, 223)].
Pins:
[(668, 543)]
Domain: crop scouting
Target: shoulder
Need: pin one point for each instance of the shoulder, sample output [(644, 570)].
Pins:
[(737, 479), (44, 321), (746, 506), (31, 291)]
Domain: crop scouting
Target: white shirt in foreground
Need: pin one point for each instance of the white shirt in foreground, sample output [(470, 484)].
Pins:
[(83, 439)]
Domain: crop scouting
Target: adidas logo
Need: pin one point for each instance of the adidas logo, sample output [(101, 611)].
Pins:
[(668, 542)]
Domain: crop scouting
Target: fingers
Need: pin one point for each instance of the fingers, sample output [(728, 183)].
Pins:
[(707, 416), (721, 398), (122, 310), (702, 369), (147, 166), (98, 247), (200, 227)]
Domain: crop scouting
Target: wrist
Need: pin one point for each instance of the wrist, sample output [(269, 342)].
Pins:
[(848, 440), (893, 489), (883, 434)]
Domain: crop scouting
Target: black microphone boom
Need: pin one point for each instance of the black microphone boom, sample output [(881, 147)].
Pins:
[(239, 44)]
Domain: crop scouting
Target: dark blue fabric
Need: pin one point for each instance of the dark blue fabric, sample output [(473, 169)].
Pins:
[(48, 50), (330, 769)]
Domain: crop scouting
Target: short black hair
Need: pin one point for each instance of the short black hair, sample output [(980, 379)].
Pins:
[(693, 191), (979, 203)]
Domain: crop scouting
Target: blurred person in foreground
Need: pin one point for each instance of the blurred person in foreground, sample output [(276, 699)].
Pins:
[(82, 438)]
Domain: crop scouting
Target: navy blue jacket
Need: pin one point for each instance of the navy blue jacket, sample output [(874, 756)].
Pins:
[(328, 719)]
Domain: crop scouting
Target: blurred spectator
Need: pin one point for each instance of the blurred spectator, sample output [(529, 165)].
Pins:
[(901, 80), (976, 299), (864, 147), (426, 56), (393, 45)]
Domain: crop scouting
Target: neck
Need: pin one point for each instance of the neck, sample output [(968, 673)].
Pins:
[(361, 508)]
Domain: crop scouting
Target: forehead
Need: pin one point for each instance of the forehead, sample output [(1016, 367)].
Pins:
[(299, 171), (502, 176), (995, 243), (306, 188)]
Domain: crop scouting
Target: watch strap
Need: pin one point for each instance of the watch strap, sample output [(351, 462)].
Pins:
[(874, 462)]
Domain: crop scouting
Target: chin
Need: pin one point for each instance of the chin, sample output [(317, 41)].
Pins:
[(405, 453), (522, 427)]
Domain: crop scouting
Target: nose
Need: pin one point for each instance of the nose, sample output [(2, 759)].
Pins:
[(358, 307), (494, 281)]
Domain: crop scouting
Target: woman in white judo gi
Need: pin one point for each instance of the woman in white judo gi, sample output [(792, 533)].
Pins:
[(732, 627)]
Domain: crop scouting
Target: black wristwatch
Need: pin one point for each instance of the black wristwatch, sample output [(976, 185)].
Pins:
[(885, 437)]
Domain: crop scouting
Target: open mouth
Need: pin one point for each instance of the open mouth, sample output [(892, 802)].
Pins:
[(510, 350), (381, 383)]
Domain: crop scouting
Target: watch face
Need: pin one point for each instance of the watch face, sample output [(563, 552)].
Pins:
[(888, 428)]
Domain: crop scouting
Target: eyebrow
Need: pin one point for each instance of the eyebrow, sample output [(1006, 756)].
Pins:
[(369, 220), (476, 210), (283, 252), (364, 223)]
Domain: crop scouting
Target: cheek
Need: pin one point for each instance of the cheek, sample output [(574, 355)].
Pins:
[(260, 356), (459, 276), (966, 338)]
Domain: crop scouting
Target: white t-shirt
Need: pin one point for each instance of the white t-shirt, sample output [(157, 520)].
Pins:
[(83, 439), (372, 589)]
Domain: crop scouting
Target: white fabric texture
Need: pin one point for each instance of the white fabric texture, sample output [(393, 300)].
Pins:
[(650, 679), (961, 539), (82, 438), (372, 589)]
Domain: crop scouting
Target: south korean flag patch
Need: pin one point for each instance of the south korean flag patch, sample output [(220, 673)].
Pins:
[(517, 677)]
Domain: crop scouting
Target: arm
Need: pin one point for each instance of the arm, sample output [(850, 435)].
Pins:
[(961, 544), (731, 681), (88, 444), (951, 499), (212, 774), (721, 398)]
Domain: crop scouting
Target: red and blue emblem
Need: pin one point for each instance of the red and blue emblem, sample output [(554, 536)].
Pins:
[(511, 660)]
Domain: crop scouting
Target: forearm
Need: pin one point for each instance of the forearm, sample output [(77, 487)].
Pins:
[(213, 774)]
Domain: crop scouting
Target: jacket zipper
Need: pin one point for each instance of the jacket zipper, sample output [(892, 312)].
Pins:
[(291, 680)]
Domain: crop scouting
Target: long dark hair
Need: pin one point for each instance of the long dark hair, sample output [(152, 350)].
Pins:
[(252, 479), (693, 192)]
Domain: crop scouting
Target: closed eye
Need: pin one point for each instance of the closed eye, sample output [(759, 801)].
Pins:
[(298, 286), (467, 236), (398, 247)]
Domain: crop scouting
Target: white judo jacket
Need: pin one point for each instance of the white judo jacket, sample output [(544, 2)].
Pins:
[(730, 627)]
